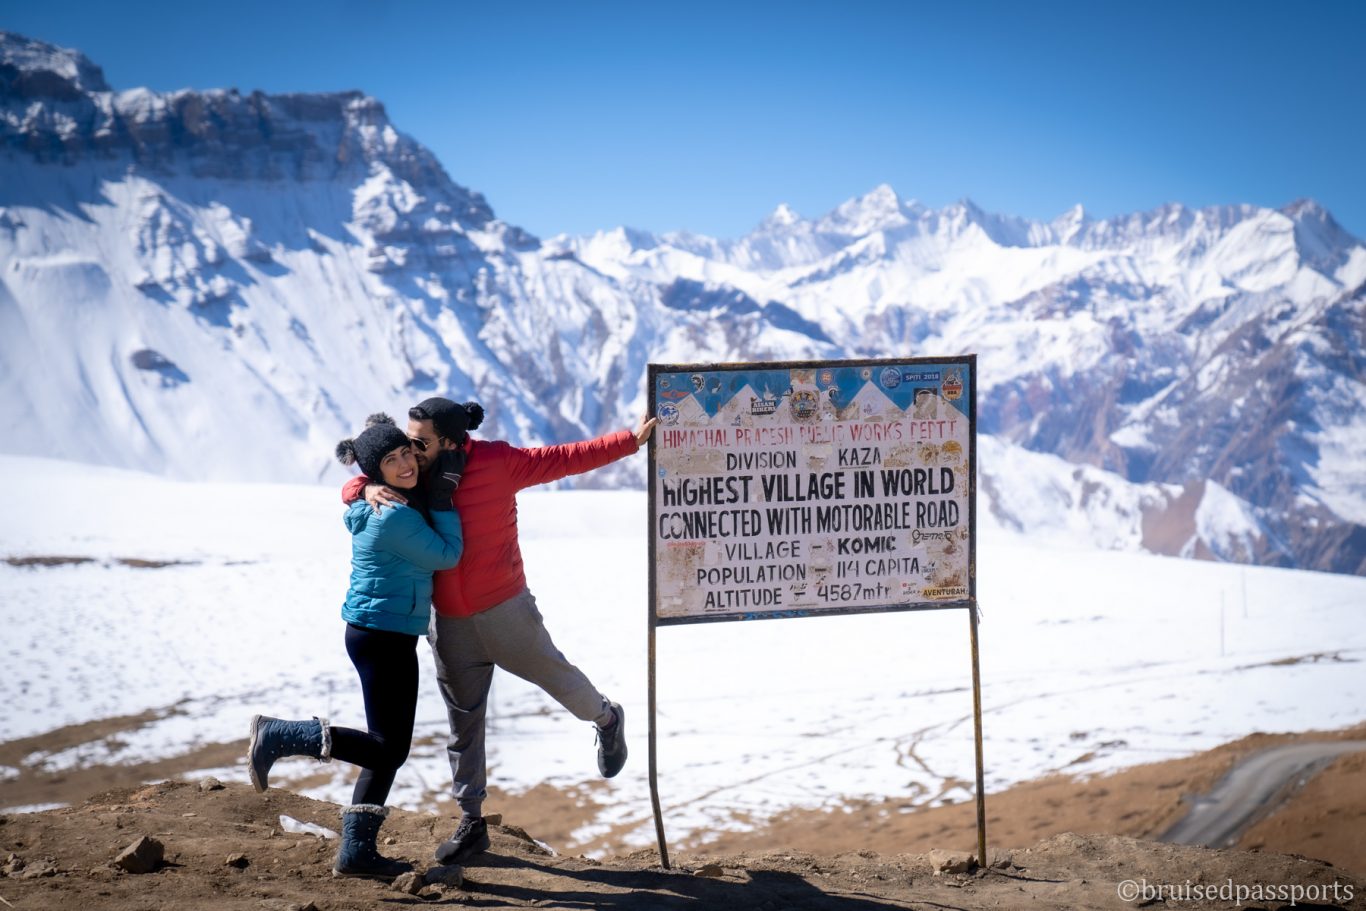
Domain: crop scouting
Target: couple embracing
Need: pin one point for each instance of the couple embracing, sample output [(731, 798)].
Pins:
[(434, 552)]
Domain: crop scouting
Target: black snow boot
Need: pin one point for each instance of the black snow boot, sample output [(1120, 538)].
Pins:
[(612, 744), (471, 838), (358, 855), (272, 739)]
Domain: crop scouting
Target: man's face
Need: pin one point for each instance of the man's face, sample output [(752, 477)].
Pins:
[(426, 444)]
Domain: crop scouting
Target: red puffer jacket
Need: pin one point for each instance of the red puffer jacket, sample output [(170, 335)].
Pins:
[(490, 570)]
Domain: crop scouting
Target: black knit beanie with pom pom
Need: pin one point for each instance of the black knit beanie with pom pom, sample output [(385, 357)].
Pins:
[(452, 420), (380, 437)]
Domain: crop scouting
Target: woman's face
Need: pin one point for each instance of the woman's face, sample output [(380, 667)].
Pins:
[(399, 468)]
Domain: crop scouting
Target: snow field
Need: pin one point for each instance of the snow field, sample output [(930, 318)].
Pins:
[(1091, 660)]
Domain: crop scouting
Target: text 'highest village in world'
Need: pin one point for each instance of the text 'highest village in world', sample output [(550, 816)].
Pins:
[(833, 501)]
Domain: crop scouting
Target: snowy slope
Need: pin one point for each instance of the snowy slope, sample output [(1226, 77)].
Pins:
[(182, 273), (1091, 660)]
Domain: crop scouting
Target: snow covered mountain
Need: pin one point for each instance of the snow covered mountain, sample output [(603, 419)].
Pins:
[(1180, 346), (217, 285)]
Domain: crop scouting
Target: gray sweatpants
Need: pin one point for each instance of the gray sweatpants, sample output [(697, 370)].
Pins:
[(512, 636)]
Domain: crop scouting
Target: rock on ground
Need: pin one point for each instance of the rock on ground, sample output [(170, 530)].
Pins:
[(142, 856)]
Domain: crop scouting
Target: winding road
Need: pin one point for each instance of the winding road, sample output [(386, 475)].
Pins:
[(1253, 787)]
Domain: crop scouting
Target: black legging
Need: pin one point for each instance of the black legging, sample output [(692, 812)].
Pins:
[(387, 664)]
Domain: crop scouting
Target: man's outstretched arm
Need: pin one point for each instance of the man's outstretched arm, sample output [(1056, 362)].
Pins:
[(543, 464)]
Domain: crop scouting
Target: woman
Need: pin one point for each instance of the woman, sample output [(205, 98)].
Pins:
[(393, 555)]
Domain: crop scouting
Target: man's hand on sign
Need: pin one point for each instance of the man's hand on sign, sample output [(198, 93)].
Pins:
[(647, 426)]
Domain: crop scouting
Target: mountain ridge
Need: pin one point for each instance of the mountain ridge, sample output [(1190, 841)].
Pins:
[(290, 262)]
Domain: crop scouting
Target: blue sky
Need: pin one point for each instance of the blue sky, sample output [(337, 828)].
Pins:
[(579, 116)]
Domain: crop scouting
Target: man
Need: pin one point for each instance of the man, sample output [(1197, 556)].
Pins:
[(485, 616)]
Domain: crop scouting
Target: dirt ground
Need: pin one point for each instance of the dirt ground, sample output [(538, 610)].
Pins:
[(1325, 819), (225, 849), (1059, 842)]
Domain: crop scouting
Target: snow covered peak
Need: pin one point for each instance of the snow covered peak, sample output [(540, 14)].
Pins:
[(1073, 217), (876, 210), (962, 213), (1322, 243), (1307, 209), (1070, 224), (35, 69), (965, 215), (618, 243), (780, 218)]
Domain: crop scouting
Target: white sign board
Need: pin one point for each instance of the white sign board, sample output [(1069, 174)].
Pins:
[(795, 489)]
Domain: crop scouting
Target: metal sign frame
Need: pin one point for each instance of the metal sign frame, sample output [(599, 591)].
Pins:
[(969, 364)]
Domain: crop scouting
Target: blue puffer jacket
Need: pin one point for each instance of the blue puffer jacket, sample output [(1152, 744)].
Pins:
[(393, 556)]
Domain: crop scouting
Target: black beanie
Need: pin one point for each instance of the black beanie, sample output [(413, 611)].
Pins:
[(451, 419), (369, 448)]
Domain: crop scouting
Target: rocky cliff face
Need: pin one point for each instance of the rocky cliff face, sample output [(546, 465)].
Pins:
[(185, 275), (57, 108)]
